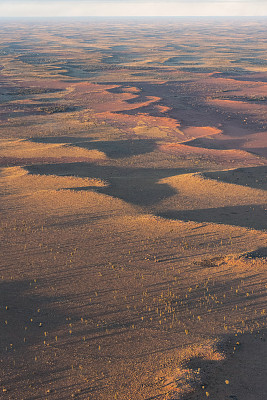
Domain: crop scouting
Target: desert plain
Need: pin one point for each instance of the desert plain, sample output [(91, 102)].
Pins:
[(133, 209)]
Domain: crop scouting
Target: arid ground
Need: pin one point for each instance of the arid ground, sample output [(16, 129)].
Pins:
[(133, 209)]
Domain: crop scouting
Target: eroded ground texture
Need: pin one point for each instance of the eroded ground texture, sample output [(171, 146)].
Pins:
[(133, 209)]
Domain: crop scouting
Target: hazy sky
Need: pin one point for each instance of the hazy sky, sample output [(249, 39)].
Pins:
[(28, 8)]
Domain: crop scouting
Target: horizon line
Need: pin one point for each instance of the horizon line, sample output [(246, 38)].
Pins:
[(132, 16)]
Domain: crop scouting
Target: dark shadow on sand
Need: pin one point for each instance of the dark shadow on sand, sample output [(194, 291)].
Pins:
[(254, 177), (28, 343), (216, 144), (249, 216), (134, 185), (259, 253), (21, 308), (240, 376), (112, 148), (231, 144)]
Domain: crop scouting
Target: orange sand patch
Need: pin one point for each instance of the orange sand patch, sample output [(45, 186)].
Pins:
[(133, 120), (224, 82), (255, 143), (258, 139), (238, 105), (99, 99), (97, 102), (108, 107), (199, 131), (131, 89), (162, 109), (256, 89)]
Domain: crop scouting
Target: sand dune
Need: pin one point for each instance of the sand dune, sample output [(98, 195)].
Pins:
[(22, 152), (121, 286), (133, 210), (199, 131), (196, 189)]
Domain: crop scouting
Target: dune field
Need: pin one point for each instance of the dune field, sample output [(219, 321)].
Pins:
[(133, 209)]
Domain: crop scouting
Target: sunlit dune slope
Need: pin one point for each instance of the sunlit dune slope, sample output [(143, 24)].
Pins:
[(21, 152), (124, 287)]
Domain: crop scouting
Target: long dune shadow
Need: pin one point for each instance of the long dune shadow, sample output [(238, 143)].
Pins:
[(249, 216), (254, 177), (216, 144), (113, 148), (122, 148), (231, 144), (138, 186), (20, 307), (27, 318)]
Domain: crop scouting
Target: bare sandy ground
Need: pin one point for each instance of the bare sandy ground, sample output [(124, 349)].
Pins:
[(114, 302), (133, 213)]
